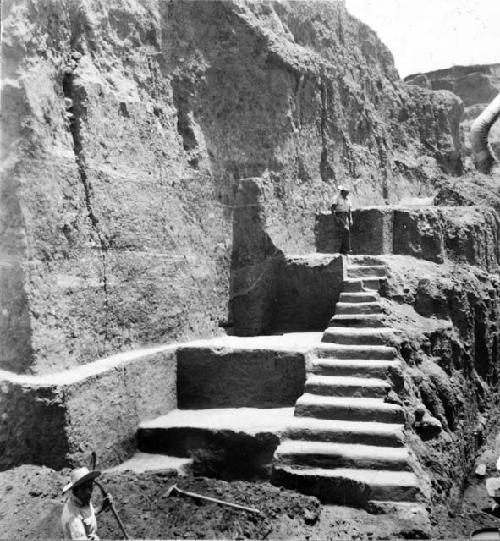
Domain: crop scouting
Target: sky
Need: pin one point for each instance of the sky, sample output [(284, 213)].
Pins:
[(424, 35)]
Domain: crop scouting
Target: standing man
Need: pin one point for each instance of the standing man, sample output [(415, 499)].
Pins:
[(79, 516), (341, 209)]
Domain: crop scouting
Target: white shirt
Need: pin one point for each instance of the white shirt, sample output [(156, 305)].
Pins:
[(341, 204), (78, 522)]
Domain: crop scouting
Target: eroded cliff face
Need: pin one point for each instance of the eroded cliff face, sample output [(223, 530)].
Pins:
[(449, 316), (129, 130), (476, 85)]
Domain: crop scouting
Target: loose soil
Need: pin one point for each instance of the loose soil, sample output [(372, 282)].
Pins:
[(31, 503)]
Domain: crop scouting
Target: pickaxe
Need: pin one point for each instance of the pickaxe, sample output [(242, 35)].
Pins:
[(93, 460), (174, 489)]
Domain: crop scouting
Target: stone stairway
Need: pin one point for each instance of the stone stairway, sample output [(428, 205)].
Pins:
[(345, 443)]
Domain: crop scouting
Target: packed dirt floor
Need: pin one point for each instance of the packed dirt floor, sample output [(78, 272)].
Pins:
[(31, 502)]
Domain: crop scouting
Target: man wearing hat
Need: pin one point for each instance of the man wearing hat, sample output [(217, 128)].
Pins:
[(79, 516), (341, 209)]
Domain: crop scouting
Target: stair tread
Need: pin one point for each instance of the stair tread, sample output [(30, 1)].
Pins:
[(347, 381), (358, 279), (143, 462), (251, 420), (342, 304), (368, 476), (374, 348), (350, 426), (352, 450), (359, 294), (357, 316), (380, 267), (354, 402), (325, 361), (358, 330)]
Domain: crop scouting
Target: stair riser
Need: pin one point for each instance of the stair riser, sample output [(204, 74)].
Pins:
[(343, 491), (337, 337), (391, 439), (370, 371), (356, 299), (345, 353), (373, 283), (396, 494), (360, 272), (184, 441), (320, 460), (338, 390), (355, 322), (352, 287), (363, 285), (357, 308), (347, 413)]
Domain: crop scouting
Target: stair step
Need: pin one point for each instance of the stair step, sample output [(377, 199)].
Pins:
[(368, 433), (353, 285), (357, 320), (143, 462), (353, 367), (350, 336), (347, 486), (358, 308), (354, 351), (327, 454), (366, 260), (183, 432), (372, 271), (359, 297), (348, 409), (346, 386)]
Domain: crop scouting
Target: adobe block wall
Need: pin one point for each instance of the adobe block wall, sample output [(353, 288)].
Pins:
[(371, 232), (308, 288), (58, 420), (461, 234), (236, 378)]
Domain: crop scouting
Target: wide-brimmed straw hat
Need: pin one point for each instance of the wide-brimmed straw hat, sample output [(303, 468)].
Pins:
[(79, 477), (343, 188), (493, 487)]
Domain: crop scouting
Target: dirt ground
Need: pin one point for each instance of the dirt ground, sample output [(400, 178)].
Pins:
[(31, 502)]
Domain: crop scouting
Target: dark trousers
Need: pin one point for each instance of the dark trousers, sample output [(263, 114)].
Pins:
[(344, 228)]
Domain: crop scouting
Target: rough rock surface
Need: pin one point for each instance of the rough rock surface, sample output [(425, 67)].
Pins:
[(129, 130), (476, 85), (470, 190), (449, 316)]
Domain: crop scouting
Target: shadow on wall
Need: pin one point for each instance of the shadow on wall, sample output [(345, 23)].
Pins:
[(271, 292), (254, 263)]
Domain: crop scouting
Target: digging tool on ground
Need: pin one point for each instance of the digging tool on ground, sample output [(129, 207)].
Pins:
[(93, 461), (174, 489)]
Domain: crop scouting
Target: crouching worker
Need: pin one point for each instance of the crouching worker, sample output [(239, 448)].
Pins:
[(79, 516)]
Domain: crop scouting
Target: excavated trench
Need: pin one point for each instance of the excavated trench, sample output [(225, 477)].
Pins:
[(169, 165)]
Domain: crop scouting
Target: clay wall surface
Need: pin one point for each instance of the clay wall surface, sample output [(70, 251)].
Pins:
[(461, 234), (127, 131), (58, 420), (237, 378)]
